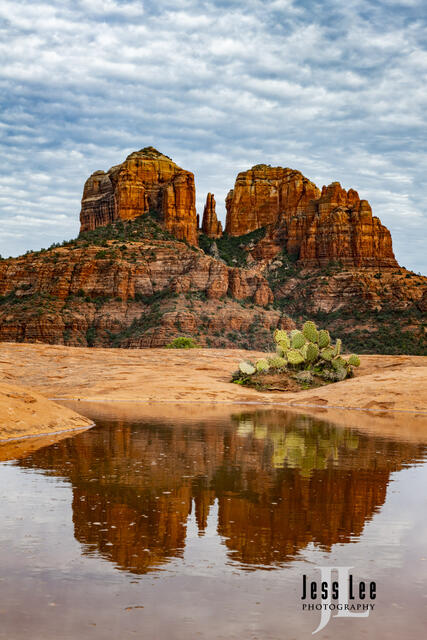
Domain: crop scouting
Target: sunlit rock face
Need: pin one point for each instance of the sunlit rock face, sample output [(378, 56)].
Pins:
[(315, 226), (146, 180), (210, 223), (279, 482), (266, 195)]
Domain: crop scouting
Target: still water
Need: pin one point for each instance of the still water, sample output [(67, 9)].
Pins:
[(203, 527)]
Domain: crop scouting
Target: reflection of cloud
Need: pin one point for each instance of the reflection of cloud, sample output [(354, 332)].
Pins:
[(333, 89)]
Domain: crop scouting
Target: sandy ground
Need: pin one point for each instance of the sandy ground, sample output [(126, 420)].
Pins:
[(24, 412), (382, 383)]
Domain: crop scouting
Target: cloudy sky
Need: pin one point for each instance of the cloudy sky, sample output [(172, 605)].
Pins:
[(334, 88)]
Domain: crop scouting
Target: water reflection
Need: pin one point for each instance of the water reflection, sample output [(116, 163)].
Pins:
[(280, 481)]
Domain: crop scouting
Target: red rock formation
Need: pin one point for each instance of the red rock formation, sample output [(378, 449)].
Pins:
[(340, 227), (58, 296), (145, 180), (266, 195), (334, 225), (211, 226)]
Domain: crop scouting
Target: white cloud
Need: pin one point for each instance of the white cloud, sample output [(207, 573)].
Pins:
[(218, 86)]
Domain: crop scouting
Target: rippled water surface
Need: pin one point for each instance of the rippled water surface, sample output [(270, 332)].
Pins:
[(202, 527)]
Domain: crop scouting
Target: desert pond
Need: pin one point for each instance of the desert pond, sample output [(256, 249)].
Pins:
[(203, 526)]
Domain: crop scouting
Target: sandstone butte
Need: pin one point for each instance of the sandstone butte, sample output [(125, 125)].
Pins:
[(146, 180), (315, 226), (147, 282)]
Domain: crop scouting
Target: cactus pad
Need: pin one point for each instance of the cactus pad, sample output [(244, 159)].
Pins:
[(298, 340), (327, 354), (277, 363), (324, 338), (280, 335), (295, 357), (304, 377), (262, 365), (338, 363), (246, 368), (354, 360), (312, 352), (337, 349), (310, 331)]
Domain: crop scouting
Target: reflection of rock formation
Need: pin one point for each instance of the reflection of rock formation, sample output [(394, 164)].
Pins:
[(281, 481)]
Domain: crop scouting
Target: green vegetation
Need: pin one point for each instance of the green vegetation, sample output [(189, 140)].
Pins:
[(142, 228), (307, 356), (386, 331), (182, 342), (232, 249)]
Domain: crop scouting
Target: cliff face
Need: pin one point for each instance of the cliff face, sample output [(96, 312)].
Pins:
[(266, 195), (131, 293), (129, 281), (316, 227), (145, 180), (210, 223)]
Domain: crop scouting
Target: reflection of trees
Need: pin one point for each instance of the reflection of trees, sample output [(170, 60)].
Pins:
[(281, 481)]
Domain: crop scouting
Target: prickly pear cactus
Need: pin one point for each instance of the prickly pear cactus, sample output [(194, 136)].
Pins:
[(327, 354), (295, 357), (298, 340), (338, 363), (262, 365), (324, 338), (337, 348), (306, 355), (310, 331), (277, 363), (312, 352), (280, 335), (246, 368)]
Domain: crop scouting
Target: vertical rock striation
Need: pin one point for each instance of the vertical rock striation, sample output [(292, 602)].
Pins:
[(316, 227), (266, 195)]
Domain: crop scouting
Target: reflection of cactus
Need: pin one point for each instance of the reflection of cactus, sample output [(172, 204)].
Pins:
[(337, 349), (324, 338), (310, 331), (247, 368), (354, 360), (277, 363), (298, 340), (261, 365), (295, 357)]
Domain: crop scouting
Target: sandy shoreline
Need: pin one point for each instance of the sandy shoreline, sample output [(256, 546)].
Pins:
[(165, 375), (387, 386)]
